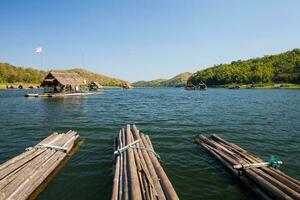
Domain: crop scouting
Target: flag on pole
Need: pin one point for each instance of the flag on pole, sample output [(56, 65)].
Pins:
[(38, 50)]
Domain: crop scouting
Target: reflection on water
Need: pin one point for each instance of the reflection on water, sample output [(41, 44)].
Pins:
[(265, 122)]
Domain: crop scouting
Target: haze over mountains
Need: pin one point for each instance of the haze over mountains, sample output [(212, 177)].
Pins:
[(177, 81)]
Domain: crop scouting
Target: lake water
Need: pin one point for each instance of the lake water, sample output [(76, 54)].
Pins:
[(263, 121)]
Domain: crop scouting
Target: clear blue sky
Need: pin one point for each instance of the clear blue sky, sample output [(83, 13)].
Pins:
[(144, 39)]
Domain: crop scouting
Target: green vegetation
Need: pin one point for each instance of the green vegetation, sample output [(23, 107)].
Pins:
[(177, 81), (153, 83), (2, 86), (12, 74), (281, 68)]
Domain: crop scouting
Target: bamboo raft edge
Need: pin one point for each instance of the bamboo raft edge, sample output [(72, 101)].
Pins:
[(266, 182), (61, 95), (26, 175), (137, 172)]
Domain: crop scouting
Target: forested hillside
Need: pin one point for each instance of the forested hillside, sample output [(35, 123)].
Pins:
[(280, 68), (12, 74), (177, 81)]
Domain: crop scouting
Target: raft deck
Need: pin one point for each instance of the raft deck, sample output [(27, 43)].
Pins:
[(138, 174), (55, 95), (261, 177), (27, 174)]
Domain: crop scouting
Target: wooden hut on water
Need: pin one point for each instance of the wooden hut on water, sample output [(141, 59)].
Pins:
[(200, 86), (62, 82), (127, 85), (233, 86), (94, 86)]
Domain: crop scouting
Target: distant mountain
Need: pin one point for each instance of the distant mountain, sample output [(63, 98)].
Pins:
[(13, 74), (177, 81)]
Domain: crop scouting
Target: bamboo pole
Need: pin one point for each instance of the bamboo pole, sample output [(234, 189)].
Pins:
[(117, 170), (121, 167), (135, 190), (125, 171), (149, 164), (165, 182)]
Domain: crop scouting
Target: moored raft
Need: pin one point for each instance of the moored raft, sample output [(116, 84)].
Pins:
[(61, 95), (261, 177), (138, 174), (27, 174)]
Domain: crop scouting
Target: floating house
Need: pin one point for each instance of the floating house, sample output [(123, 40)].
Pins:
[(95, 85), (62, 82), (127, 86), (200, 86), (233, 86), (15, 86)]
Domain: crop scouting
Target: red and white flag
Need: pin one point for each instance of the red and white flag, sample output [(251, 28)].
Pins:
[(38, 50)]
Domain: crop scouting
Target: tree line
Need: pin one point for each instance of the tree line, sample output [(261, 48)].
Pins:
[(12, 74), (280, 68)]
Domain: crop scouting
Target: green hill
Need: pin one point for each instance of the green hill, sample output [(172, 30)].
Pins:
[(102, 79), (177, 81), (13, 74), (153, 83), (280, 68)]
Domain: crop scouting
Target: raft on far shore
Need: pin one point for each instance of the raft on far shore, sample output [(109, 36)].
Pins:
[(261, 177), (138, 174), (26, 175), (54, 95)]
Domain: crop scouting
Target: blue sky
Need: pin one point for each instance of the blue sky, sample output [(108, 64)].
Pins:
[(144, 39)]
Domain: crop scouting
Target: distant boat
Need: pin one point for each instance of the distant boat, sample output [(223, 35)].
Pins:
[(127, 86), (234, 86), (200, 86), (93, 86)]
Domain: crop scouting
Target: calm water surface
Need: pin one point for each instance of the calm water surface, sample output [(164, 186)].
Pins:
[(264, 121)]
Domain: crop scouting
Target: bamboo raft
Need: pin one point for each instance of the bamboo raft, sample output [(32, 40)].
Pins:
[(138, 174), (57, 95), (261, 177), (26, 175)]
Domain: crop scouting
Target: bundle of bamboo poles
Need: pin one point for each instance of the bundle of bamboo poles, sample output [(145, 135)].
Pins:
[(267, 182), (23, 176), (137, 172)]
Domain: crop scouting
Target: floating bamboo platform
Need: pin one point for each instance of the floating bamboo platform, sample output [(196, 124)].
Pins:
[(261, 177), (26, 175), (60, 95), (138, 174)]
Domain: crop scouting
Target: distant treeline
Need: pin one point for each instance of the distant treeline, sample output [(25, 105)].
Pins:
[(12, 74), (281, 68)]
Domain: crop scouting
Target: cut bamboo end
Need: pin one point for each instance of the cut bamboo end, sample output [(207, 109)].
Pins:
[(268, 183), (138, 173), (28, 174)]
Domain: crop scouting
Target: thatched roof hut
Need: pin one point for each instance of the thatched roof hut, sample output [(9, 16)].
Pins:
[(200, 86), (233, 86), (127, 85), (63, 81), (95, 85)]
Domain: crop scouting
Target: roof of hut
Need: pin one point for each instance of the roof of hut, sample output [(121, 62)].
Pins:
[(64, 78), (127, 85), (96, 84)]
